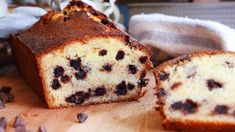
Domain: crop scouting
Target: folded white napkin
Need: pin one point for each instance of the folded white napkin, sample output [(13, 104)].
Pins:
[(3, 8), (170, 36), (19, 19)]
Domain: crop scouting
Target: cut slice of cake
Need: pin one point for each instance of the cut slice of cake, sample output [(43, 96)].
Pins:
[(196, 92), (79, 57)]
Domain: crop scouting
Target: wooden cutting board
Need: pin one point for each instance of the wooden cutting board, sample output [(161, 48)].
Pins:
[(136, 116)]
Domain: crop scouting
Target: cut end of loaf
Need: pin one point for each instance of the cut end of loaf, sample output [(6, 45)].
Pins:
[(195, 92), (95, 71)]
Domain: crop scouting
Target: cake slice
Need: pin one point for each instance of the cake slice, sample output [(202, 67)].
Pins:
[(196, 92), (79, 57)]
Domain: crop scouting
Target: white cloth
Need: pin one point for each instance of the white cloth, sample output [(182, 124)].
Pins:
[(19, 19), (29, 10), (3, 8), (173, 36)]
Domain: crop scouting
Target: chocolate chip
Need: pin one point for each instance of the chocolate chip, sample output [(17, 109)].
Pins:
[(4, 98), (2, 105), (221, 109), (105, 21), (142, 75), (20, 129), (127, 39), (111, 25), (65, 78), (103, 52), (100, 91), (81, 74), (143, 82), (130, 86), (5, 89), (229, 64), (58, 71), (11, 97), (19, 122), (190, 106), (65, 13), (79, 93), (143, 59), (176, 85), (107, 67), (78, 98), (44, 21), (121, 88), (82, 117), (184, 58), (93, 12), (74, 99), (187, 107), (120, 55), (132, 69), (42, 128), (66, 18), (75, 63), (163, 76), (191, 75), (212, 84), (161, 92), (3, 122), (87, 95), (56, 84), (177, 105)]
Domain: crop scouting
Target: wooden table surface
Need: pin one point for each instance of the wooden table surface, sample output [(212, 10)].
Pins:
[(136, 116)]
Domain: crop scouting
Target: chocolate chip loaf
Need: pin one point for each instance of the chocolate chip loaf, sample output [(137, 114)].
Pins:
[(79, 57), (196, 92)]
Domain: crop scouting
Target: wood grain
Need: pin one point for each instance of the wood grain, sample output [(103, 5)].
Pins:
[(136, 116)]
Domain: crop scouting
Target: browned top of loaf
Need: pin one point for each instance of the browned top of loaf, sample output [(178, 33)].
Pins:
[(77, 22)]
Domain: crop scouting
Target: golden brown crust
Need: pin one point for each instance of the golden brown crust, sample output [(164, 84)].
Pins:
[(78, 25), (186, 125), (198, 126)]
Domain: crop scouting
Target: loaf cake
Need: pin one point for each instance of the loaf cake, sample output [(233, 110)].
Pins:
[(79, 57), (196, 92)]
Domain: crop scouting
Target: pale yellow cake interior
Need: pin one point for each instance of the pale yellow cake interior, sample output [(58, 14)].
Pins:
[(195, 88), (88, 52)]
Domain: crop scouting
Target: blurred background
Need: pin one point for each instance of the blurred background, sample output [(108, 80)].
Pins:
[(120, 11), (200, 9)]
